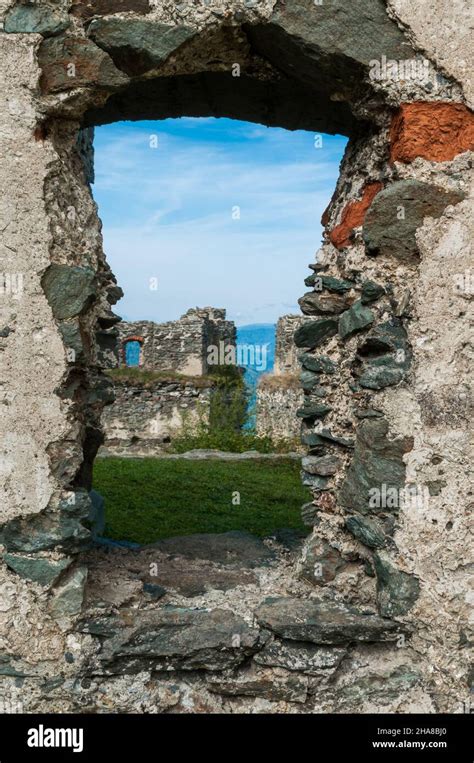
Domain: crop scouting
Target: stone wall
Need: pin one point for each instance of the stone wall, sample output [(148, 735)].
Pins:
[(278, 401), (147, 416), (279, 395), (392, 356), (182, 345), (286, 352)]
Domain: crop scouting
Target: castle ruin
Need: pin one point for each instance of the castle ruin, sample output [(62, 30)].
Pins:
[(149, 411), (374, 613), (182, 346)]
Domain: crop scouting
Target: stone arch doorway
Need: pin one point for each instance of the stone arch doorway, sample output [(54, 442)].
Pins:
[(294, 64)]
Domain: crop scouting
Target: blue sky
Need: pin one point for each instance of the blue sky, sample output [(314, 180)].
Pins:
[(169, 213)]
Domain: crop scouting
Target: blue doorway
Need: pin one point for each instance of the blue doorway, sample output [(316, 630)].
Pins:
[(132, 353)]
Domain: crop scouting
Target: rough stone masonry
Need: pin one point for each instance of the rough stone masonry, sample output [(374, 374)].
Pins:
[(183, 346), (373, 613), (149, 411)]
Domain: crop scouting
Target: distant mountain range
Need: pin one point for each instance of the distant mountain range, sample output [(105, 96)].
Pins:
[(256, 342)]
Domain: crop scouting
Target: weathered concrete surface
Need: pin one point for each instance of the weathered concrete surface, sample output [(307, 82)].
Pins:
[(451, 49), (33, 359), (144, 419), (53, 389)]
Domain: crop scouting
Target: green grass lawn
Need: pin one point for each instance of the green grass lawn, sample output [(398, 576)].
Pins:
[(149, 499)]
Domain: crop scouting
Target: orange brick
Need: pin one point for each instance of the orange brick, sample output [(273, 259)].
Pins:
[(353, 216), (434, 131)]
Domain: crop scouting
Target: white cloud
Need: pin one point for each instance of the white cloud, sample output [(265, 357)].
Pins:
[(168, 214)]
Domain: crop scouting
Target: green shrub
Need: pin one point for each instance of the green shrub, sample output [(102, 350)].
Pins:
[(232, 441)]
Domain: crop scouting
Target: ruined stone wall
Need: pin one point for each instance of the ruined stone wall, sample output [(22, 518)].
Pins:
[(182, 345), (373, 614), (147, 416), (279, 395), (278, 401), (286, 352)]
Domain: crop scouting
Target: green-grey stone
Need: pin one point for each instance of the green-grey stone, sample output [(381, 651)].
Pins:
[(154, 590), (325, 434), (398, 211), (106, 340), (397, 591), (72, 338), (435, 486), (314, 333), (321, 562), (385, 354), (357, 318), (318, 391), (308, 380), (324, 466), (52, 683), (368, 531), (368, 413), (93, 67), (67, 601), (309, 514), (377, 461), (368, 568), (138, 45), (320, 364), (310, 383), (43, 571), (65, 528), (314, 481), (101, 390), (36, 18), (355, 30), (323, 621), (304, 658), (323, 438), (343, 441), (386, 687), (329, 42), (315, 303), (388, 336), (8, 667), (338, 285), (313, 411), (174, 638), (314, 443), (371, 291), (70, 388), (382, 372), (69, 290)]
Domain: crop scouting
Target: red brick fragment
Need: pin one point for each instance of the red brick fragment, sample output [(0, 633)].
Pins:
[(353, 216), (434, 131)]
